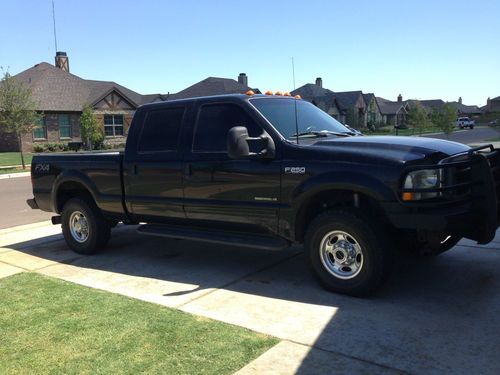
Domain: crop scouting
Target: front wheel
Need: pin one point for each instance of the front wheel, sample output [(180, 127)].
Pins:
[(84, 228), (348, 252)]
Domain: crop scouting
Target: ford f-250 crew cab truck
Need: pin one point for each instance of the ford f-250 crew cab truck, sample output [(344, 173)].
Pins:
[(270, 171)]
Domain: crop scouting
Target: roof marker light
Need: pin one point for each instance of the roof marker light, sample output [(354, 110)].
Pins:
[(298, 97), (269, 92), (278, 93), (286, 94), (250, 93)]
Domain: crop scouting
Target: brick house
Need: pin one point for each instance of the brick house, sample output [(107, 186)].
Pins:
[(61, 96)]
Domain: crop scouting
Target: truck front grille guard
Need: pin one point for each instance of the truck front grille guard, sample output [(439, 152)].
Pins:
[(460, 182)]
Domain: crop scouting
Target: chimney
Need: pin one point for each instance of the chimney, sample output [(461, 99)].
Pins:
[(319, 82), (62, 61), (460, 100), (400, 98), (243, 79)]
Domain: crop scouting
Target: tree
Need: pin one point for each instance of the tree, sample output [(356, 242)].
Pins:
[(17, 110), (90, 128), (417, 117), (350, 118), (446, 118)]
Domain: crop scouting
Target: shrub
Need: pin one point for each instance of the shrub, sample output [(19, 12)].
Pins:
[(50, 147)]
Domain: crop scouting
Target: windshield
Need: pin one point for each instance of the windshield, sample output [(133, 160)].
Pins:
[(311, 121)]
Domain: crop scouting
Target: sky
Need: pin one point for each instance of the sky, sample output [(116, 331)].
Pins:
[(420, 49)]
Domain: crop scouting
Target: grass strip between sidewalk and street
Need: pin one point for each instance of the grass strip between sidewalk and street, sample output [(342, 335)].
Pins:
[(14, 158), (53, 326)]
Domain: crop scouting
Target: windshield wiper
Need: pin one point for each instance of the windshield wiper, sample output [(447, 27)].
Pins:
[(321, 133)]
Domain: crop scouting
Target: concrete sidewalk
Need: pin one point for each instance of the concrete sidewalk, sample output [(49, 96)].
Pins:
[(434, 316)]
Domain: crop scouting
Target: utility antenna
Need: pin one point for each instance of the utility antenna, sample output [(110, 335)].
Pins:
[(54, 21), (293, 73)]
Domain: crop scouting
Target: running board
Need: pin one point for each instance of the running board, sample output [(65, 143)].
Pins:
[(217, 236)]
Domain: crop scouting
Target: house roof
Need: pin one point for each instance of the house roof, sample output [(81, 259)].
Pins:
[(368, 97), (212, 86), (347, 99), (311, 91), (469, 109), (388, 107), (431, 104), (54, 89)]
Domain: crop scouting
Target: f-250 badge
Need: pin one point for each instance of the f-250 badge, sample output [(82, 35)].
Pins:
[(295, 170), (42, 168)]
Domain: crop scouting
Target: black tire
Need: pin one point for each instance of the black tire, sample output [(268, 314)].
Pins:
[(98, 232), (376, 251)]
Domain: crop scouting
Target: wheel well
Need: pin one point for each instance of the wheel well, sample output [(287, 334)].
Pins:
[(69, 190), (332, 199)]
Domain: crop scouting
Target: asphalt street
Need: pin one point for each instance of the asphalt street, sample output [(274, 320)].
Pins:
[(15, 211), (467, 136)]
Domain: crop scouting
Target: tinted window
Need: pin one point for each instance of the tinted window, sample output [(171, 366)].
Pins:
[(288, 116), (214, 122), (161, 130)]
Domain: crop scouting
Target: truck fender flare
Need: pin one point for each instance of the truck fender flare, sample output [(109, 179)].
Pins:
[(356, 182), (72, 176)]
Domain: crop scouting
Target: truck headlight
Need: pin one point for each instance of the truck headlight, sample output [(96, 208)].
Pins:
[(422, 179)]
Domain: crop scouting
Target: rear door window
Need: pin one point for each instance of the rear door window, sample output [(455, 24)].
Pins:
[(214, 122), (161, 130)]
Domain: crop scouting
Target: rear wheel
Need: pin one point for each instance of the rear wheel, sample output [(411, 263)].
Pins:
[(348, 252), (84, 228)]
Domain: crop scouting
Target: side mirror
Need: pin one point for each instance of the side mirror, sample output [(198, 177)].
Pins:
[(239, 144)]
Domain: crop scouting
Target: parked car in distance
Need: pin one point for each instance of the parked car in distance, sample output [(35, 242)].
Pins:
[(267, 172), (465, 122)]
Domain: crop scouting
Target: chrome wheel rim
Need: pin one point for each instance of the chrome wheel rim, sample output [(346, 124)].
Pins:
[(341, 254), (79, 227)]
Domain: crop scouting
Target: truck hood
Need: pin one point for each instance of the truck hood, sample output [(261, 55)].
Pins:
[(400, 149)]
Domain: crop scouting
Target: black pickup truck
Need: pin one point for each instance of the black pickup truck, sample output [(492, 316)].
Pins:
[(270, 171)]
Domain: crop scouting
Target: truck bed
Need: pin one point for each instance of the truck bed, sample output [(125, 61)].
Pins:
[(99, 172)]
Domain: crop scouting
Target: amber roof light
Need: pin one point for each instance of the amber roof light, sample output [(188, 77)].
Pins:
[(269, 92), (250, 93), (298, 97)]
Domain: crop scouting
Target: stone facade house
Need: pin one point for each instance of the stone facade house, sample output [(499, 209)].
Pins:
[(393, 113), (347, 107), (493, 105), (466, 110), (373, 114)]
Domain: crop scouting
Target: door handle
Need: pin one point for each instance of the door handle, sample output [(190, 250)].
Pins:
[(135, 169), (188, 170)]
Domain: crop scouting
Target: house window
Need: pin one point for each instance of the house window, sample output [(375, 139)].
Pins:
[(40, 130), (113, 125), (64, 126)]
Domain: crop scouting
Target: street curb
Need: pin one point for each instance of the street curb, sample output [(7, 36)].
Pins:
[(20, 228), (14, 175)]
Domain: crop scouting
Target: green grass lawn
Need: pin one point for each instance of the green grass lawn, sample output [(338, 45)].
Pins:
[(52, 326), (389, 130), (14, 158)]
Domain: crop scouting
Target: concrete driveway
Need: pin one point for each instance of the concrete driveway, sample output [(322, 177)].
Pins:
[(439, 315)]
